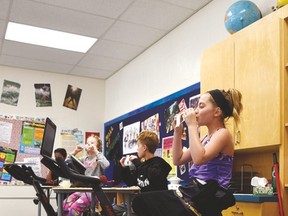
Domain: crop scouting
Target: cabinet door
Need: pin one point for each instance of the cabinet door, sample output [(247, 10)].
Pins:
[(217, 70), (252, 209), (217, 66), (257, 76)]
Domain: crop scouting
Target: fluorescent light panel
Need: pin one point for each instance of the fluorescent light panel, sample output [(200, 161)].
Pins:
[(49, 38)]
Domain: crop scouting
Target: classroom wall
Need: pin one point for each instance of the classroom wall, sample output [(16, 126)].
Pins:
[(18, 201), (171, 64), (88, 117)]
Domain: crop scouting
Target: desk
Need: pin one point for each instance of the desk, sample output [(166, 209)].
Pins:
[(129, 191)]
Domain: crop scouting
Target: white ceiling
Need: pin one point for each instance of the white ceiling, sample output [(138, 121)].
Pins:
[(124, 28)]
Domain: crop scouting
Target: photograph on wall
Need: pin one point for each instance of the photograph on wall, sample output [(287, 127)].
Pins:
[(182, 105), (169, 115), (7, 155), (193, 101), (72, 97), (43, 95), (10, 93), (152, 124), (130, 134), (167, 143)]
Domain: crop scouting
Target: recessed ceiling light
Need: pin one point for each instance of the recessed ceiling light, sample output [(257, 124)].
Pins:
[(49, 38)]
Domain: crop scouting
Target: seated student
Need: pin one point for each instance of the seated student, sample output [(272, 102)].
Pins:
[(212, 156), (149, 172), (52, 178), (95, 163)]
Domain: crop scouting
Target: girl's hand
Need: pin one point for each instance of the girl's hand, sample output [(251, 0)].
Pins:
[(78, 149), (189, 116)]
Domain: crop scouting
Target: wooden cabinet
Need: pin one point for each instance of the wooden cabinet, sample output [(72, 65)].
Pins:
[(284, 109), (255, 61), (249, 61), (257, 77), (217, 69), (252, 209)]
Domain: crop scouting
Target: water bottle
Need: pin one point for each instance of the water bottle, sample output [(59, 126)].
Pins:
[(273, 180)]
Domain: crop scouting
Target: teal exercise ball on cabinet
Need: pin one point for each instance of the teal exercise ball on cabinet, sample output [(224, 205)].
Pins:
[(241, 14)]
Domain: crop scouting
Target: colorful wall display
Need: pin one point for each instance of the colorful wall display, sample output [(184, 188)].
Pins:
[(7, 155), (121, 133)]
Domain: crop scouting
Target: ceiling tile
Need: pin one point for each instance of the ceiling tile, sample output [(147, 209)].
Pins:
[(156, 14), (4, 9), (99, 62), (133, 34), (90, 72), (56, 18), (115, 49), (2, 29), (106, 8), (34, 64), (40, 53), (192, 4)]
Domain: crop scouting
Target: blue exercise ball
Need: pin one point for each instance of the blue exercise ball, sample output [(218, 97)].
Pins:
[(241, 14)]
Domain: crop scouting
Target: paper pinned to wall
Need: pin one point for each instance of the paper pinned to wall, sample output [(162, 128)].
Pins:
[(70, 138), (6, 131)]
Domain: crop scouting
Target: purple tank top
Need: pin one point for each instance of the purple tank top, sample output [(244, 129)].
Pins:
[(219, 168)]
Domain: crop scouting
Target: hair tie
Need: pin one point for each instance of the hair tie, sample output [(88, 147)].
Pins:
[(221, 102)]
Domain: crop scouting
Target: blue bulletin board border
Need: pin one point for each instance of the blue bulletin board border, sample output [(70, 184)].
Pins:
[(161, 111), (154, 104)]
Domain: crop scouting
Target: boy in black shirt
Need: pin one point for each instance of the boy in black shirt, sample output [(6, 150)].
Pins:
[(147, 171)]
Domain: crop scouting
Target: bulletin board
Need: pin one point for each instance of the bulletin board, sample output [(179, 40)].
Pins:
[(121, 133), (25, 137)]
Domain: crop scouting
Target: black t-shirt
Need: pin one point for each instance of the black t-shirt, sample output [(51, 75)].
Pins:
[(150, 175)]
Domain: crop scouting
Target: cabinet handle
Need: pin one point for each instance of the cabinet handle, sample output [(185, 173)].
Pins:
[(238, 137), (237, 212)]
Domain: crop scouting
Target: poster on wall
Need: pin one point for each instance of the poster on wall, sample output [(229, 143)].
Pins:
[(167, 153), (152, 124), (31, 137), (10, 93), (72, 97), (70, 138), (43, 95), (169, 114), (158, 117), (91, 133), (7, 155), (130, 135), (193, 101)]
